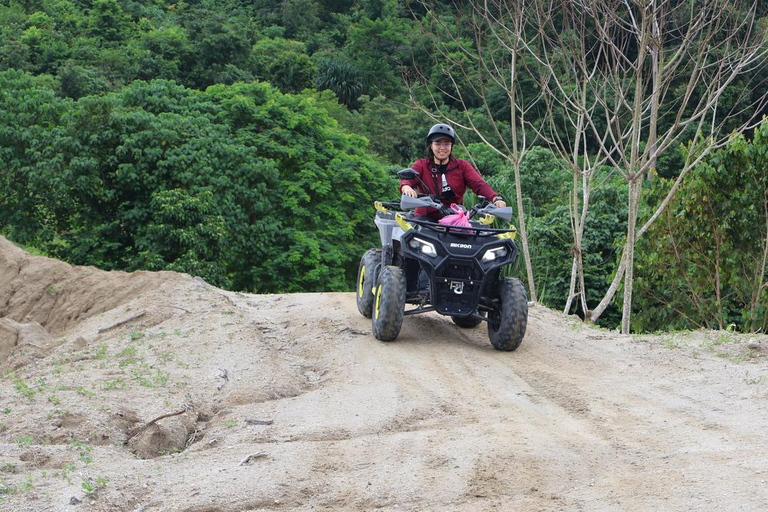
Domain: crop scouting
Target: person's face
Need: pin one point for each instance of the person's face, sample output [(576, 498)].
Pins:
[(441, 148)]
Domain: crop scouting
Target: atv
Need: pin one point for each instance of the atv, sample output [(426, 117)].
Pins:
[(425, 266)]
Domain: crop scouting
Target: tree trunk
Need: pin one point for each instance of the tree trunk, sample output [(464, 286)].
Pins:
[(635, 185), (512, 93), (524, 236), (571, 287), (608, 297)]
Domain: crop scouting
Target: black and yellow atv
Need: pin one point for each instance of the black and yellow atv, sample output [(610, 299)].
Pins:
[(455, 271)]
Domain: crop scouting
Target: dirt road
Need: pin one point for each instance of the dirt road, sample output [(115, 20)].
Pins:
[(287, 402)]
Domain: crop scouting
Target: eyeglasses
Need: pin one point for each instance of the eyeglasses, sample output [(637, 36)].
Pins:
[(445, 144)]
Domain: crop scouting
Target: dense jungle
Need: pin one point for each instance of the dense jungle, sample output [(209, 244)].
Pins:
[(246, 141)]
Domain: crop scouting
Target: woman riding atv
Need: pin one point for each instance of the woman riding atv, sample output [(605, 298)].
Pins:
[(444, 175)]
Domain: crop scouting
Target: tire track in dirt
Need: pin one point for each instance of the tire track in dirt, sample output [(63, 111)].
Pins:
[(575, 419)]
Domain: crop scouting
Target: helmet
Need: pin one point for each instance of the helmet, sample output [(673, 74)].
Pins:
[(440, 131)]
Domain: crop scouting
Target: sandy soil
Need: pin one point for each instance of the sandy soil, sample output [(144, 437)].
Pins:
[(156, 391)]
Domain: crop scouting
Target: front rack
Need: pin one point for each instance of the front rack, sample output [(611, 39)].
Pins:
[(461, 230)]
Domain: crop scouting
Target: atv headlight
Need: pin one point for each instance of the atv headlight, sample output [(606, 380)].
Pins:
[(495, 253), (422, 246)]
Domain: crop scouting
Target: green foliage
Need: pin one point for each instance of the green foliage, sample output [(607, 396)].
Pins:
[(222, 46), (377, 118), (703, 262), (545, 179), (165, 51), (185, 233), (107, 20), (343, 78), (354, 48), (380, 49), (546, 185), (190, 169), (486, 160), (31, 111), (551, 241), (76, 81), (243, 185), (326, 186), (284, 63)]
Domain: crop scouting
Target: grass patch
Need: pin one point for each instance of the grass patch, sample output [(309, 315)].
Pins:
[(83, 450), (135, 335), (101, 352), (670, 342), (58, 414), (91, 486), (110, 385), (23, 388), (129, 356), (85, 392)]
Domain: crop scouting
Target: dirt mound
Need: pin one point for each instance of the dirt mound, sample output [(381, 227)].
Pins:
[(41, 295), (155, 392)]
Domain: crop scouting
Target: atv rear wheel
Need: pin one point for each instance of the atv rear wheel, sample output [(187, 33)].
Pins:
[(366, 278), (389, 303), (466, 321), (506, 325)]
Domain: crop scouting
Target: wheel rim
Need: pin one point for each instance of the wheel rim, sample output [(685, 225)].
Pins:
[(378, 301), (360, 283)]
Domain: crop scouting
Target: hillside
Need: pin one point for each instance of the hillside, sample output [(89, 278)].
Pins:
[(157, 391)]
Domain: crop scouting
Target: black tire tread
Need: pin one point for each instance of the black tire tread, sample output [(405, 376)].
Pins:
[(389, 303), (507, 329), (364, 290)]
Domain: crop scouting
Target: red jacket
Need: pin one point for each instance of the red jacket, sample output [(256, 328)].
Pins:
[(459, 175)]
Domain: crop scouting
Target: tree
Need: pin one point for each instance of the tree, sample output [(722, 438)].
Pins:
[(342, 77), (704, 262), (164, 52), (185, 232), (665, 69), (284, 63), (247, 187), (645, 76), (108, 21), (30, 110)]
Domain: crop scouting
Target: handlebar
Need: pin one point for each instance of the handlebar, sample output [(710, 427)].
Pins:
[(483, 207)]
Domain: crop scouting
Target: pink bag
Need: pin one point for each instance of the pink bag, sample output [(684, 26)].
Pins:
[(460, 217)]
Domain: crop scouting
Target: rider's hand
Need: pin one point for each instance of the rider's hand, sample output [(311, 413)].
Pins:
[(408, 191), (500, 203)]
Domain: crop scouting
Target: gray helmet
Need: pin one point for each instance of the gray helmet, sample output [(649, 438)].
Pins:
[(440, 131)]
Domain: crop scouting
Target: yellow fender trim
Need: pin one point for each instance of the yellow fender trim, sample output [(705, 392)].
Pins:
[(511, 235), (404, 225), (486, 220)]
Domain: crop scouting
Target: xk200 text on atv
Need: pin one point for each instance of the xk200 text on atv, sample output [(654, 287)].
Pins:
[(455, 271)]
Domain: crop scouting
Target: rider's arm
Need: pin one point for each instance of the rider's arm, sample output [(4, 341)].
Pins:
[(408, 191), (408, 187)]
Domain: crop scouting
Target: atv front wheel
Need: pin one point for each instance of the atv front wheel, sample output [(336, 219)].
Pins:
[(466, 321), (389, 303), (506, 325), (366, 278)]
